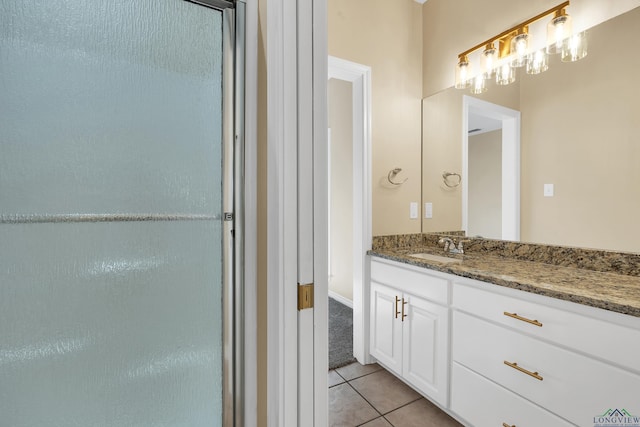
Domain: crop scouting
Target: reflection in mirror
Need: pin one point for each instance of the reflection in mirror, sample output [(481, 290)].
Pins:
[(580, 132), (484, 177), (491, 165)]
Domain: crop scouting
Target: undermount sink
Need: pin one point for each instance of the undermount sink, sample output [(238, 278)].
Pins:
[(437, 258)]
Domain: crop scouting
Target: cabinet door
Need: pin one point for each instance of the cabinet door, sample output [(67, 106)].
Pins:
[(425, 361), (386, 329)]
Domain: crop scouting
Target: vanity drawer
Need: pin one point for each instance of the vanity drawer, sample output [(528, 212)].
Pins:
[(413, 280), (573, 386), (579, 332), (484, 403)]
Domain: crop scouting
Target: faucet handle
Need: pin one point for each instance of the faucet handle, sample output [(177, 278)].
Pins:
[(460, 243)]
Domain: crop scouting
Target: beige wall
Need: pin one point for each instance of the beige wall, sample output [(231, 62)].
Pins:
[(388, 38), (451, 27), (580, 131), (341, 188), (485, 183)]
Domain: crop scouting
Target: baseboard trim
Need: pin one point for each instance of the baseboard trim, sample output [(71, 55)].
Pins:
[(342, 300)]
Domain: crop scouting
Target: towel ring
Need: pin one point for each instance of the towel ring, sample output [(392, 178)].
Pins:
[(445, 177), (392, 174)]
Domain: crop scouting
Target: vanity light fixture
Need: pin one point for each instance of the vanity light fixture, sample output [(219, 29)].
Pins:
[(509, 50)]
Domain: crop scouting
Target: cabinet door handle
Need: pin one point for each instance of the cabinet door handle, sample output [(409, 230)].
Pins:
[(403, 304), (508, 425), (524, 319), (397, 311), (514, 365)]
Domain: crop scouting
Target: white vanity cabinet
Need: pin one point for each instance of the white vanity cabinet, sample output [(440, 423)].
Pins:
[(409, 326), (554, 354), (495, 356)]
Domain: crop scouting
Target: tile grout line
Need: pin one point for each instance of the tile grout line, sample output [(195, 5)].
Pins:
[(365, 399), (381, 415), (388, 412), (402, 406), (380, 368), (348, 382)]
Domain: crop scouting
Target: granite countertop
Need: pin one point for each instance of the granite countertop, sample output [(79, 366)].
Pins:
[(607, 290)]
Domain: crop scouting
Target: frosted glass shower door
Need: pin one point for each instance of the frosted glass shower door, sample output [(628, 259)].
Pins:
[(111, 213)]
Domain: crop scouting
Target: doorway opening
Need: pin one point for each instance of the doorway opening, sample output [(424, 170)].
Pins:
[(358, 224), (496, 117)]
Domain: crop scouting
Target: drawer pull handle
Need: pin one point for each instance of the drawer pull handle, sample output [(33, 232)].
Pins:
[(397, 312), (524, 319), (403, 304), (508, 425), (524, 371)]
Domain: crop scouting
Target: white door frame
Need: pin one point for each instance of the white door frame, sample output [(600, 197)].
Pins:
[(510, 162), (250, 254), (360, 77), (282, 214), (296, 145)]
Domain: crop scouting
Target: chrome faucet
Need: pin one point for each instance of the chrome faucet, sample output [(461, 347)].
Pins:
[(450, 245)]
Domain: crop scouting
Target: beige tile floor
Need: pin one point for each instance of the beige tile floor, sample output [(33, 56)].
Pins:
[(369, 396)]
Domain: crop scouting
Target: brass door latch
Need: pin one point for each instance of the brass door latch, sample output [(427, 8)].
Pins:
[(305, 296)]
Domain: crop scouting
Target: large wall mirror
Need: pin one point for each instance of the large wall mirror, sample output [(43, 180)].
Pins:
[(580, 131)]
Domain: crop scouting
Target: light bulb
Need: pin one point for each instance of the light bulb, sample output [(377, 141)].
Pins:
[(558, 29), (538, 62), (519, 46), (488, 60), (505, 74), (575, 48), (479, 85), (463, 73)]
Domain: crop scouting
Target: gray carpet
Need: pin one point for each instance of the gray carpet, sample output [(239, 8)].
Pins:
[(340, 335)]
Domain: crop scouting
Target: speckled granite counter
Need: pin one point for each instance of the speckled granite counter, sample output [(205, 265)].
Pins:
[(601, 289)]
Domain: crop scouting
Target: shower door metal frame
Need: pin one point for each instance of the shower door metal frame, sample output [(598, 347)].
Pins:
[(233, 74), (232, 202)]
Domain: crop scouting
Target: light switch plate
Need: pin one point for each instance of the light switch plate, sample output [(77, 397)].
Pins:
[(428, 210), (548, 190)]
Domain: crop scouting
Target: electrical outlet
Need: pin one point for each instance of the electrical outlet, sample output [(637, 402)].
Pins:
[(413, 210), (428, 210), (548, 190)]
